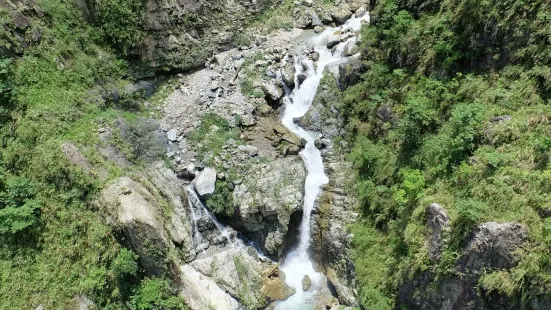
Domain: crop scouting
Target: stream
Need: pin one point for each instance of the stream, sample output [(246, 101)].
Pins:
[(298, 262)]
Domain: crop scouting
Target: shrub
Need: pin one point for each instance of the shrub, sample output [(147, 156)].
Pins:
[(156, 294)]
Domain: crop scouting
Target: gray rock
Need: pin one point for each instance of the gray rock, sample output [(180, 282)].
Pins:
[(341, 14), (333, 40), (491, 246), (307, 3), (205, 182), (271, 90), (360, 12), (315, 56), (316, 21), (288, 74), (318, 29), (437, 221), (249, 149), (172, 135), (265, 200), (350, 49), (501, 118), (248, 120), (301, 78)]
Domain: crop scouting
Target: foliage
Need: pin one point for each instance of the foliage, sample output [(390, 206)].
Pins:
[(453, 109), (211, 135), (61, 247), (120, 20), (156, 294), (221, 202), (18, 206)]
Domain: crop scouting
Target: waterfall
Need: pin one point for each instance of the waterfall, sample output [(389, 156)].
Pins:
[(196, 203), (298, 262)]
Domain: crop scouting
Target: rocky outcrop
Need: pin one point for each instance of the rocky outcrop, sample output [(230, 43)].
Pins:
[(201, 292), (437, 222), (182, 34), (137, 207), (266, 199), (491, 246), (348, 71), (18, 29)]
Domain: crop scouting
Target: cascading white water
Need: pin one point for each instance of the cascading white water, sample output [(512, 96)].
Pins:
[(194, 201), (298, 263)]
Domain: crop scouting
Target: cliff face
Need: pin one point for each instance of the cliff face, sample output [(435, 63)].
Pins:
[(182, 34)]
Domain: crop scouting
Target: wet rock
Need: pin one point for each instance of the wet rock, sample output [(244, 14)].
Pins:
[(205, 182), (306, 283), (274, 286), (288, 74), (318, 29), (302, 77), (333, 40)]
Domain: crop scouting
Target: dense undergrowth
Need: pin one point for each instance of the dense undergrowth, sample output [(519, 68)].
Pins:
[(454, 109), (53, 246)]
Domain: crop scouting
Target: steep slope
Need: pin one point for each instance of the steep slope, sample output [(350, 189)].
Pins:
[(450, 132)]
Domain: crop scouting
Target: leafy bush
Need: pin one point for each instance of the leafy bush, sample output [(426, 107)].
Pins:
[(18, 207), (221, 202), (120, 21), (156, 294)]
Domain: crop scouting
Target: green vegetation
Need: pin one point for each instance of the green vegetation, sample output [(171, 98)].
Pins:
[(425, 125), (119, 20), (221, 202), (156, 294), (253, 74), (211, 135), (53, 245)]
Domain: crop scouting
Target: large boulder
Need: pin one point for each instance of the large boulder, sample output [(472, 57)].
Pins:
[(134, 206), (237, 273), (266, 199), (202, 292), (205, 182), (272, 91), (347, 72), (341, 13)]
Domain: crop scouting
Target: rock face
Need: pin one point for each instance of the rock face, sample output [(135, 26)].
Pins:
[(266, 199), (437, 221), (181, 34), (490, 247), (201, 292), (134, 207), (347, 72)]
